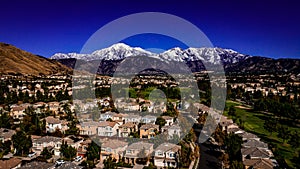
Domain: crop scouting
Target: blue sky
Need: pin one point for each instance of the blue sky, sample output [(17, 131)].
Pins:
[(253, 27)]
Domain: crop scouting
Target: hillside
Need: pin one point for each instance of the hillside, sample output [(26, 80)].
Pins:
[(16, 61)]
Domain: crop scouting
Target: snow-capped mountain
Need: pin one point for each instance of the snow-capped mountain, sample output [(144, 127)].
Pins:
[(195, 58), (117, 51), (120, 51), (209, 55)]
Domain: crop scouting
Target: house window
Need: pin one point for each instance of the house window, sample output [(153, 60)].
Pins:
[(160, 153), (172, 155)]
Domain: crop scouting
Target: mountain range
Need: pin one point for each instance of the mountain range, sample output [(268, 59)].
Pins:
[(109, 58), (16, 61)]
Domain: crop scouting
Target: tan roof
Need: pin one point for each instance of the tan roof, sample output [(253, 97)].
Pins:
[(247, 135), (129, 125), (52, 120), (107, 123), (119, 115), (139, 145), (168, 147), (167, 117), (11, 163), (114, 143), (37, 165), (6, 133), (18, 108), (255, 143), (259, 163), (47, 139), (149, 126), (255, 152)]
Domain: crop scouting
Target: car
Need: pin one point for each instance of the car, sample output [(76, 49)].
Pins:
[(59, 162), (31, 154), (78, 158)]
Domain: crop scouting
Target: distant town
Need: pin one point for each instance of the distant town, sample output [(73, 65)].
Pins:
[(42, 125)]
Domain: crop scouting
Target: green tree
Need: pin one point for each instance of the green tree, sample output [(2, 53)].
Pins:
[(5, 120), (160, 121), (22, 143), (283, 133), (5, 147), (237, 165), (232, 111), (294, 139), (233, 145), (271, 125), (72, 130), (68, 151), (46, 154), (93, 152), (110, 163)]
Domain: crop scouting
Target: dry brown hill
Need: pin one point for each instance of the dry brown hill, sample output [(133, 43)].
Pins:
[(16, 61)]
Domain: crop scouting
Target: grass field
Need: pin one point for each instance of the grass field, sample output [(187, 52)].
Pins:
[(254, 122)]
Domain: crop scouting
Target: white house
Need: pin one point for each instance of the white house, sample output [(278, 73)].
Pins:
[(132, 118), (53, 124), (52, 143), (172, 131), (106, 128), (148, 119), (168, 119), (106, 115), (166, 155)]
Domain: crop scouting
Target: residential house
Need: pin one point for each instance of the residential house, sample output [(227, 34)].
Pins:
[(148, 130), (113, 148), (148, 119), (37, 165), (50, 142), (38, 105), (258, 164), (256, 153), (126, 129), (6, 134), (171, 131), (136, 119), (107, 115), (54, 106), (247, 136), (88, 128), (119, 118), (169, 120), (138, 150), (131, 106), (83, 147), (235, 130), (106, 128), (12, 163), (255, 143), (225, 123), (18, 112), (167, 155), (53, 124), (73, 141), (68, 165)]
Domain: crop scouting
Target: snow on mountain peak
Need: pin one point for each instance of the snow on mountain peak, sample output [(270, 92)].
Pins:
[(120, 51)]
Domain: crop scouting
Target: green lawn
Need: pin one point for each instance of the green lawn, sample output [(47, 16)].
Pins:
[(254, 122)]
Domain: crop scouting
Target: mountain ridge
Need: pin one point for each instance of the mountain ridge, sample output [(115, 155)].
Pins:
[(120, 51), (231, 60), (16, 61)]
